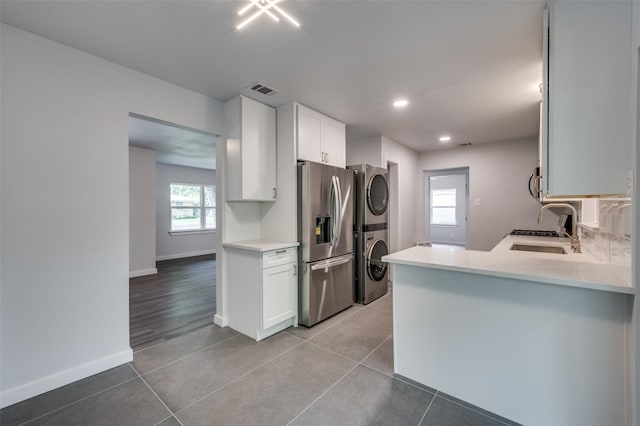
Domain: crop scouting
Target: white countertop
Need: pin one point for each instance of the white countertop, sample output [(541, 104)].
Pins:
[(260, 245), (573, 269)]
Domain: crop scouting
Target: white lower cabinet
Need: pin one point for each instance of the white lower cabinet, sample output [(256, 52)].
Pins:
[(263, 290), (278, 293)]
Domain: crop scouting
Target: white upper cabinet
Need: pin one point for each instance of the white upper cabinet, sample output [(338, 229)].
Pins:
[(251, 150), (320, 138), (309, 135), (334, 142), (586, 141)]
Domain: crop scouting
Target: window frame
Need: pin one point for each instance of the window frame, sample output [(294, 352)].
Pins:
[(432, 207), (203, 208)]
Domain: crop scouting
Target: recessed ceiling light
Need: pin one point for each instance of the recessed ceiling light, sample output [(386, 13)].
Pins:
[(400, 103), (445, 138), (264, 6)]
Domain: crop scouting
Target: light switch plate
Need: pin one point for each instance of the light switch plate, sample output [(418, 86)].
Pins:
[(631, 181)]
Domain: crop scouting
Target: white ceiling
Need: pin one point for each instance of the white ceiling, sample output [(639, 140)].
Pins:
[(173, 145), (469, 68)]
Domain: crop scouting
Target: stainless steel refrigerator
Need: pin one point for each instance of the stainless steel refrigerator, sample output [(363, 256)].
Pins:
[(325, 231)]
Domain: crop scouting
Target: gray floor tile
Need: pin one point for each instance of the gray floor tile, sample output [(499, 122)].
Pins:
[(476, 408), (131, 403), (385, 302), (382, 358), (57, 398), (366, 397), (307, 333), (163, 353), (184, 382), (170, 421), (272, 394), (414, 383), (446, 413), (357, 336)]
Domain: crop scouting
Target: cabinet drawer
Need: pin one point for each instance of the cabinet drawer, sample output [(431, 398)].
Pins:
[(279, 257)]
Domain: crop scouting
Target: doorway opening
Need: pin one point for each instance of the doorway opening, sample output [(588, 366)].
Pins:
[(172, 230), (393, 214), (446, 194)]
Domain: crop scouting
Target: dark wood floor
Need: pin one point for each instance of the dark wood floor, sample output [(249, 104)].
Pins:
[(179, 299)]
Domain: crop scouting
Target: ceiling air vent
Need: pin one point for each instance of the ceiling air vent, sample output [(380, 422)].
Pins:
[(265, 90), (465, 144)]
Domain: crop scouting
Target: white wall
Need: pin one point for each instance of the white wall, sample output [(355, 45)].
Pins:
[(183, 245), (498, 177), (64, 278), (279, 218), (365, 151), (402, 229), (142, 212), (634, 332)]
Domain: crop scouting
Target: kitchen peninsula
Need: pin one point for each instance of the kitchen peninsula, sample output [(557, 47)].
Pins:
[(538, 338)]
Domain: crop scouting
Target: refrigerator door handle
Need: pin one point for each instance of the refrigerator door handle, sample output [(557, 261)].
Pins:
[(332, 208), (338, 211), (331, 263), (334, 211)]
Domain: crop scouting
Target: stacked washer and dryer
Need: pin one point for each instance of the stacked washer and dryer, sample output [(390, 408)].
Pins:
[(370, 232)]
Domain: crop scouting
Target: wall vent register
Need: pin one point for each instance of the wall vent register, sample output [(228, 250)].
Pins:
[(263, 89)]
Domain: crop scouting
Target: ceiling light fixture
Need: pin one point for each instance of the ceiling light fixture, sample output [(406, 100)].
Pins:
[(445, 138), (264, 6), (400, 103)]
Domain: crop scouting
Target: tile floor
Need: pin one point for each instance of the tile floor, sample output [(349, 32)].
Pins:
[(339, 372)]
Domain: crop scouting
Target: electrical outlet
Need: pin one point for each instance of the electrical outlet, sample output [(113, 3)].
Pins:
[(476, 202)]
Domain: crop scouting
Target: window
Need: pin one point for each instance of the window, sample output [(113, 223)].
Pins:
[(193, 207), (443, 206)]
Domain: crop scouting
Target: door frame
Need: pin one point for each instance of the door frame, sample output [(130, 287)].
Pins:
[(427, 198)]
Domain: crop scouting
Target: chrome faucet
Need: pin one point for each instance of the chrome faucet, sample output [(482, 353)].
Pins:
[(575, 240)]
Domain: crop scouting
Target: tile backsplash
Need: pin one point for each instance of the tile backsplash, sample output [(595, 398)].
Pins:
[(610, 241)]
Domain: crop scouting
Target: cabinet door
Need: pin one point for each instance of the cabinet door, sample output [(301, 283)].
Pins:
[(334, 142), (589, 141), (309, 135), (278, 294), (258, 151)]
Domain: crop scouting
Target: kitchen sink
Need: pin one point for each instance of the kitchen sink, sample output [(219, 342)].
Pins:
[(538, 248)]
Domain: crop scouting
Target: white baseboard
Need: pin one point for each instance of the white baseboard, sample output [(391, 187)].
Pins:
[(181, 255), (56, 380), (220, 321), (143, 272)]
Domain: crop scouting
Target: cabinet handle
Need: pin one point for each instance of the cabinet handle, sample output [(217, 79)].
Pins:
[(274, 193), (327, 157), (295, 269), (280, 251)]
